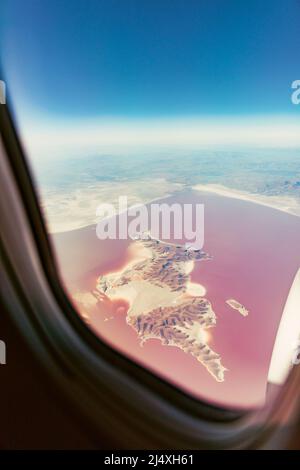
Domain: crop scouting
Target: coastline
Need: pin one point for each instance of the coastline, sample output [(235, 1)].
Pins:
[(286, 204)]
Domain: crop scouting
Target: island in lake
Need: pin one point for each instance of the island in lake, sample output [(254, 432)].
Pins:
[(238, 306), (163, 302)]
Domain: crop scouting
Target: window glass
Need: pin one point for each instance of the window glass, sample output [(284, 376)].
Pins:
[(165, 147)]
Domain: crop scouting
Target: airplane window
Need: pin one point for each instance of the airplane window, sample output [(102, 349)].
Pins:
[(165, 148)]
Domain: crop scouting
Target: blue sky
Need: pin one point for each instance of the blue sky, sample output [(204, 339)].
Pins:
[(140, 59), (84, 75)]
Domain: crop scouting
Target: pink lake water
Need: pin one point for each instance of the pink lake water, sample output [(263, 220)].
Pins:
[(255, 256)]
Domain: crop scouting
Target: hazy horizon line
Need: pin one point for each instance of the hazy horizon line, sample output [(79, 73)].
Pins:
[(280, 131)]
